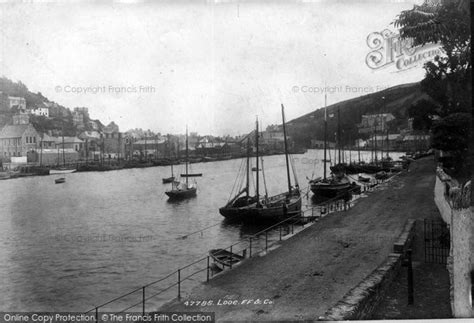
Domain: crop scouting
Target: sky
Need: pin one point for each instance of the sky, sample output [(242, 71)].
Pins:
[(214, 66)]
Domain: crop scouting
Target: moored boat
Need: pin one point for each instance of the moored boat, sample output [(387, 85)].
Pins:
[(62, 170), (183, 189), (338, 183), (225, 258), (192, 175), (168, 180), (331, 186), (60, 180), (258, 208)]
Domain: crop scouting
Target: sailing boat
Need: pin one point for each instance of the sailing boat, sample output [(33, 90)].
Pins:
[(337, 183), (181, 190), (171, 178), (259, 208)]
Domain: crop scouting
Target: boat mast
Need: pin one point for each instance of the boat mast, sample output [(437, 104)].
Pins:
[(41, 151), (256, 157), (338, 136), (325, 132), (286, 149), (187, 155), (375, 140), (248, 167), (64, 158)]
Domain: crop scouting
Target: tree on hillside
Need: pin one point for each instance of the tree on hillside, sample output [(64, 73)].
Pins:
[(423, 112), (448, 77)]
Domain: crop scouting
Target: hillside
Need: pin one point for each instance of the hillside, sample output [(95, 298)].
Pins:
[(397, 101), (60, 120)]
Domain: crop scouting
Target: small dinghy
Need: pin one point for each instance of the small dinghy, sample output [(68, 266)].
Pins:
[(224, 257), (60, 180)]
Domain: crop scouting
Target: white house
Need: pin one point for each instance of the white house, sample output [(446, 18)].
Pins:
[(40, 111)]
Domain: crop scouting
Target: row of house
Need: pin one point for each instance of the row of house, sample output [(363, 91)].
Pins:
[(401, 142)]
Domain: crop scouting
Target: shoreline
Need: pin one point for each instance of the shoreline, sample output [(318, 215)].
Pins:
[(113, 164), (311, 271)]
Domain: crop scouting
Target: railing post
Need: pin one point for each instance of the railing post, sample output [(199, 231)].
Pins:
[(266, 241), (143, 300), (179, 284), (207, 279), (280, 231), (410, 278), (250, 247), (292, 229), (230, 257)]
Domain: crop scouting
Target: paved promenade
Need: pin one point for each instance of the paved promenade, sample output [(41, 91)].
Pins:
[(311, 271)]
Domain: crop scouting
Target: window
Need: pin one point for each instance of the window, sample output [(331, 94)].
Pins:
[(34, 140)]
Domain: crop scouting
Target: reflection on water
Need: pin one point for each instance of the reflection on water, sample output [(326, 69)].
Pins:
[(72, 246)]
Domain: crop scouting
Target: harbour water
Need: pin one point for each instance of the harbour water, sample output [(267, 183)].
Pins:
[(72, 246)]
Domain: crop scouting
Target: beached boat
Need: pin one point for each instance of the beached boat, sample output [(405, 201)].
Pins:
[(363, 179), (183, 189), (60, 180), (257, 208), (225, 258)]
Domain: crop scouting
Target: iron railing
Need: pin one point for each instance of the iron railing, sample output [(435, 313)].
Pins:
[(246, 247)]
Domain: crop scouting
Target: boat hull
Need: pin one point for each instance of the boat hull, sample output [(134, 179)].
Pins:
[(61, 171), (181, 194), (253, 214), (225, 258), (168, 180), (330, 190)]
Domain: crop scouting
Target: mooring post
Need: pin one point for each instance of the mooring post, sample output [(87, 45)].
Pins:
[(97, 314), (280, 231)]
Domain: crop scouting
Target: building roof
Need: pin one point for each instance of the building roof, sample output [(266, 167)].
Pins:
[(416, 137), (55, 151), (13, 131), (384, 137), (90, 135), (48, 138), (68, 140), (149, 142)]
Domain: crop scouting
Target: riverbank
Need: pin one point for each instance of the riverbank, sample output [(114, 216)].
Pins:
[(313, 270), (33, 169)]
